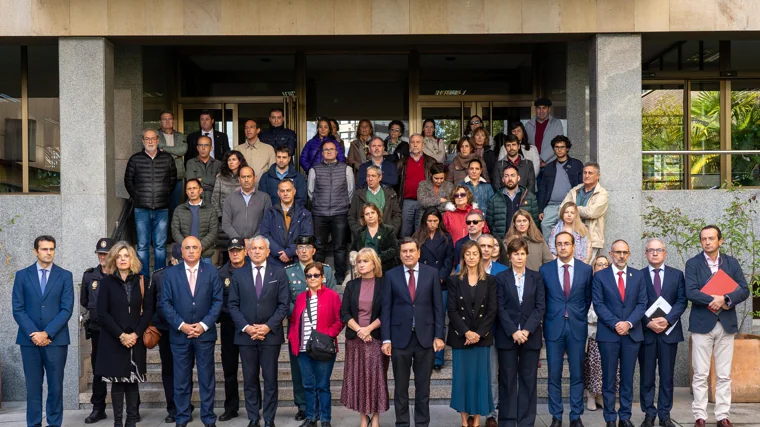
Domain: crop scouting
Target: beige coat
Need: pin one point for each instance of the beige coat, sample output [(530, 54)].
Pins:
[(593, 213)]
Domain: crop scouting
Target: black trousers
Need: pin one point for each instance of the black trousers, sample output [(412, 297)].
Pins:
[(412, 357), (337, 228), (262, 359), (167, 372), (518, 371), (99, 388), (230, 357)]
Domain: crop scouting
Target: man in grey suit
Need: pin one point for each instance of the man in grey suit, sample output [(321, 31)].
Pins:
[(174, 143)]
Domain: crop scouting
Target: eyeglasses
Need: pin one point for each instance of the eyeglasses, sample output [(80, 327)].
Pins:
[(655, 251), (313, 276), (472, 221), (460, 195), (475, 122), (150, 139), (563, 244), (560, 147), (620, 253), (601, 264), (395, 130)]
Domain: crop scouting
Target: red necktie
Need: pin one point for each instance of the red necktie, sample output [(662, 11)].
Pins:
[(566, 284), (621, 285), (411, 284)]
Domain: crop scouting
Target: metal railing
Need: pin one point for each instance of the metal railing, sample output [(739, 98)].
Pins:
[(699, 152), (120, 228)]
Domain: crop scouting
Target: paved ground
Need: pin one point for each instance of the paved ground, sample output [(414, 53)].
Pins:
[(742, 414)]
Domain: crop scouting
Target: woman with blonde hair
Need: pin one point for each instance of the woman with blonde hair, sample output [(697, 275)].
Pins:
[(472, 308), (125, 309), (524, 227), (365, 374), (570, 221)]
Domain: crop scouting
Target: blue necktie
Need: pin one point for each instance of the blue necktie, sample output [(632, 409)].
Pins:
[(43, 281), (259, 283)]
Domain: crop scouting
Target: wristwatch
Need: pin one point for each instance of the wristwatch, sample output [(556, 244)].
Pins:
[(727, 300)]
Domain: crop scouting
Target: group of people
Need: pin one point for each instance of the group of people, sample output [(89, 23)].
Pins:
[(507, 249)]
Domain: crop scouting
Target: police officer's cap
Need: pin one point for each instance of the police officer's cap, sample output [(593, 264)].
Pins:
[(306, 239), (104, 245), (177, 251), (236, 243), (543, 101)]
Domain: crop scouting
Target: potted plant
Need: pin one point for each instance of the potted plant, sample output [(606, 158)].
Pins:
[(740, 240)]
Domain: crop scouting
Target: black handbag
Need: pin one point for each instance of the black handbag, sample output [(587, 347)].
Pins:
[(320, 346)]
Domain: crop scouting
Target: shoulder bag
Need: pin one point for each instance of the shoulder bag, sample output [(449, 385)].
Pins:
[(151, 336), (320, 345)]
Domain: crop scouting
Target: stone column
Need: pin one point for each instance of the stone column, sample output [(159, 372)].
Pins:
[(615, 130), (578, 98), (86, 103)]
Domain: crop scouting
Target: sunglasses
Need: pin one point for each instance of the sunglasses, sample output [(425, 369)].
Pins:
[(475, 122), (313, 276), (458, 195), (472, 221)]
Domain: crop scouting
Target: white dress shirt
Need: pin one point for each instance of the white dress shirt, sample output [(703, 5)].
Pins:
[(662, 276), (625, 283), (255, 272), (561, 272)]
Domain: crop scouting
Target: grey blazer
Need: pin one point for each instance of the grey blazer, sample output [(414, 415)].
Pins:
[(177, 151)]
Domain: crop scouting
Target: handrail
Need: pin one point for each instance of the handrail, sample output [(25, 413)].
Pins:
[(121, 223), (700, 152)]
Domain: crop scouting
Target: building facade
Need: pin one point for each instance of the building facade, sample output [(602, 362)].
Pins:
[(664, 94)]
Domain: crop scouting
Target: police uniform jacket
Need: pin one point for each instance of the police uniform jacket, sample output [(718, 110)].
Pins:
[(297, 281), (88, 298), (225, 275)]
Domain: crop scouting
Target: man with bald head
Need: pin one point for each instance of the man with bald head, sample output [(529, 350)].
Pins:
[(259, 155), (191, 300), (150, 178)]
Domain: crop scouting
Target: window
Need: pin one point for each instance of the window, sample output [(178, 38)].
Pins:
[(662, 124), (11, 170), (745, 131)]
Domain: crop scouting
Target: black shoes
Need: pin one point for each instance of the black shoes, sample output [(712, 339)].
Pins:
[(228, 415), (648, 422), (437, 367), (325, 424), (610, 424), (253, 424), (626, 423), (269, 424), (309, 423), (300, 415), (210, 425), (169, 419), (556, 422), (576, 423), (667, 423), (95, 416)]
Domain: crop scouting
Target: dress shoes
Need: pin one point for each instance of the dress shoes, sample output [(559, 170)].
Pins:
[(210, 425), (182, 425), (437, 368), (626, 423), (269, 424), (95, 416), (667, 423), (326, 424), (699, 423), (253, 424), (309, 423), (169, 419), (648, 422), (610, 424), (300, 415), (491, 422), (556, 423), (576, 423), (228, 415), (725, 423)]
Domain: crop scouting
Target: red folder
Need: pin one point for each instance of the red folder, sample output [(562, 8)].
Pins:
[(719, 284)]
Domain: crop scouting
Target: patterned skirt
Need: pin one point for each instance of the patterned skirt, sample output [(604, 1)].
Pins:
[(592, 369), (365, 377)]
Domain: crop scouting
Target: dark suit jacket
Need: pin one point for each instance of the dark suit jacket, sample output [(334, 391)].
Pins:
[(577, 306), (463, 318), (269, 309), (674, 292), (221, 145), (349, 308), (438, 253), (701, 319), (610, 309), (35, 312), (387, 244), (512, 314), (179, 305), (399, 312)]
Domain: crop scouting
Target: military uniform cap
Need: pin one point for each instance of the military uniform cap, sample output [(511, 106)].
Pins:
[(104, 245), (236, 243), (306, 239)]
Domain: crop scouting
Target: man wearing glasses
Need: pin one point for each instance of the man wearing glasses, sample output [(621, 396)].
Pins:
[(475, 224), (174, 143), (305, 250), (559, 177), (620, 299), (150, 178), (543, 127), (330, 187), (660, 343)]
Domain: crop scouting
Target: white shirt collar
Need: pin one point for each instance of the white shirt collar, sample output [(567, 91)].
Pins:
[(415, 268), (200, 202), (196, 267), (615, 271), (651, 269), (571, 263), (263, 266), (48, 268)]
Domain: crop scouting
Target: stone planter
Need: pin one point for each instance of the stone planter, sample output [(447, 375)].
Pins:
[(745, 371)]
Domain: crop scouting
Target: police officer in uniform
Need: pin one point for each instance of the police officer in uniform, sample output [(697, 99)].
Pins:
[(230, 351), (306, 247), (89, 302)]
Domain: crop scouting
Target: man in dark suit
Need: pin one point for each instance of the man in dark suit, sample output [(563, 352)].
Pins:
[(659, 347), (620, 300), (219, 142), (568, 298), (711, 334), (412, 330), (43, 300), (522, 304), (259, 301), (191, 300)]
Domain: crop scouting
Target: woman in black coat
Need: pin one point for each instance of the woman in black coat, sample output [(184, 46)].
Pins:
[(124, 314), (376, 235), (520, 294), (437, 251), (472, 310)]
